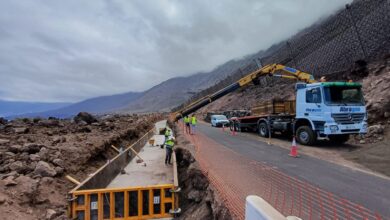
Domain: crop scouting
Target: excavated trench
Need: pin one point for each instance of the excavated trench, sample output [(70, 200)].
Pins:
[(198, 198), (105, 152)]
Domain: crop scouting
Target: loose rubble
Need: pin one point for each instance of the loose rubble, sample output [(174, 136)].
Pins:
[(35, 154)]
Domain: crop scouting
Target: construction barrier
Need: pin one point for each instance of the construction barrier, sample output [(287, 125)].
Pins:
[(124, 203), (235, 176), (90, 200)]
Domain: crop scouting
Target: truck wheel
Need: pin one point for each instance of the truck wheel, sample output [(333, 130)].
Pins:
[(339, 139), (306, 136), (263, 129)]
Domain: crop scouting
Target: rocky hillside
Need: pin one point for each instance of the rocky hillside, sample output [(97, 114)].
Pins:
[(35, 155)]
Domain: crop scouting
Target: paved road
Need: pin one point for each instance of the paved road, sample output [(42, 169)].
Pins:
[(371, 191)]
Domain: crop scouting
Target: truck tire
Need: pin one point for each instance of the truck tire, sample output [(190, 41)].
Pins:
[(263, 129), (306, 136), (339, 139)]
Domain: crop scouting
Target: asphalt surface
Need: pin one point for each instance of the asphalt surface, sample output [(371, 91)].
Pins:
[(371, 191)]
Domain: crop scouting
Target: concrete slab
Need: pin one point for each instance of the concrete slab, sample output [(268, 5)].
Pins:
[(154, 173)]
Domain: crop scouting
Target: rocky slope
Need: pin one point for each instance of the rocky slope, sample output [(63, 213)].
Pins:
[(35, 154)]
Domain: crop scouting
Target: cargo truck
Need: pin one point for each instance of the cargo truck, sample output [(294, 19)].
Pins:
[(325, 110), (322, 110)]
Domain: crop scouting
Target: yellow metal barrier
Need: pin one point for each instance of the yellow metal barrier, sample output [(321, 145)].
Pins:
[(124, 203), (142, 202)]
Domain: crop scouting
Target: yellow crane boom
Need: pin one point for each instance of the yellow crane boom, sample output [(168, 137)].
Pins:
[(276, 70)]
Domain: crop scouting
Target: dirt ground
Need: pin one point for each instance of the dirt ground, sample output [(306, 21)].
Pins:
[(370, 152), (36, 154)]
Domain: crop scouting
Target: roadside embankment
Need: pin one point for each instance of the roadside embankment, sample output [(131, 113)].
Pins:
[(198, 198)]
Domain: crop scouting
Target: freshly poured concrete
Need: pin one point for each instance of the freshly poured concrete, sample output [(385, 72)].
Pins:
[(154, 173)]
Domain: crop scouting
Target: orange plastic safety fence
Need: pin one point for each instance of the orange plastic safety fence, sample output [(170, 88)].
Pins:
[(235, 177)]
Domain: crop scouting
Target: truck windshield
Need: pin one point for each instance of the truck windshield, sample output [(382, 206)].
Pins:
[(344, 95), (220, 117)]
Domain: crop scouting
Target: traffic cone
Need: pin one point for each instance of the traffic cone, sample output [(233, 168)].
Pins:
[(294, 149)]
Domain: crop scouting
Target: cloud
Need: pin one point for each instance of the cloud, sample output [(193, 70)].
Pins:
[(72, 50)]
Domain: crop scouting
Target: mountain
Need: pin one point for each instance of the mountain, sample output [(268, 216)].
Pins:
[(175, 91), (161, 97), (8, 108), (96, 105)]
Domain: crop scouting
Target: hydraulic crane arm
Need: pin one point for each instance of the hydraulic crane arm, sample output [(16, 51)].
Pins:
[(276, 70)]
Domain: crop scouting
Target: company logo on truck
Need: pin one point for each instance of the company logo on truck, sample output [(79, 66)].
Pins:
[(349, 109), (313, 109)]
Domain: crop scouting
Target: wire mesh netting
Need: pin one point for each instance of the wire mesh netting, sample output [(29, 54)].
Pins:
[(360, 31)]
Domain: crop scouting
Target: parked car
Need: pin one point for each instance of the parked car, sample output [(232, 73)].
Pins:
[(219, 120)]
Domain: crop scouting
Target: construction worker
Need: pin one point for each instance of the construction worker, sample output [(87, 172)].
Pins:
[(187, 124), (167, 134), (194, 121), (169, 143)]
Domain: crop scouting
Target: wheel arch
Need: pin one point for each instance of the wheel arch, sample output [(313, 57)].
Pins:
[(262, 120), (303, 122)]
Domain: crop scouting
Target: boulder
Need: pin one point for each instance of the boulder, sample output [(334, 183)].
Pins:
[(376, 129), (3, 199), (9, 181), (49, 123), (34, 157), (84, 130), (56, 140), (3, 121), (195, 195), (43, 153), (9, 154), (32, 148), (15, 148), (59, 170), (59, 162), (44, 169), (22, 130), (4, 141), (86, 117), (24, 156), (18, 166), (50, 214)]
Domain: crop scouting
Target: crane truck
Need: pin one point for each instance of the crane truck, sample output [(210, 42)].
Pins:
[(321, 110)]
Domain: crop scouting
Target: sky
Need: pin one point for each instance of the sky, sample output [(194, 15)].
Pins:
[(67, 51)]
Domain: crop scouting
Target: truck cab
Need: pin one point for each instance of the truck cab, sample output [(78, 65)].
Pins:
[(329, 110)]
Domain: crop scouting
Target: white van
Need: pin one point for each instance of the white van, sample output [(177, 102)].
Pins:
[(219, 120)]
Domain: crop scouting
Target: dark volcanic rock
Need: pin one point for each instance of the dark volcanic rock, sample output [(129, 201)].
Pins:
[(84, 117), (3, 121)]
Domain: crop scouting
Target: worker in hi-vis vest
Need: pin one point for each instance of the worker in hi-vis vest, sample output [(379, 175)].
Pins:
[(187, 124), (169, 143), (194, 121), (167, 134)]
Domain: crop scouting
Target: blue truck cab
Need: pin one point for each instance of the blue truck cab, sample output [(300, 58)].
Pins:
[(329, 110)]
